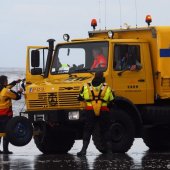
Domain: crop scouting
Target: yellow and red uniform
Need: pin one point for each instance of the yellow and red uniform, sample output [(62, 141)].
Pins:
[(6, 95), (97, 98), (99, 61)]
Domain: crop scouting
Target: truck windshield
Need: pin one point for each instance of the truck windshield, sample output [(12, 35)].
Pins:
[(80, 57)]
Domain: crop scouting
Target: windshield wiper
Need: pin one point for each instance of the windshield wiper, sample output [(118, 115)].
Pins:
[(81, 70)]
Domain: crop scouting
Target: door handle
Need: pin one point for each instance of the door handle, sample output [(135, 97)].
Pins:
[(141, 80)]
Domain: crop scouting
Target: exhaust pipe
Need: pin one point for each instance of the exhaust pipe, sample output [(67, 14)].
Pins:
[(49, 57)]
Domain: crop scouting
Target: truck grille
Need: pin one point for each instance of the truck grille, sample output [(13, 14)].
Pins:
[(55, 100)]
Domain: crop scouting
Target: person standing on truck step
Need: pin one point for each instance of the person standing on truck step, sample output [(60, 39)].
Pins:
[(98, 97), (6, 113), (99, 59)]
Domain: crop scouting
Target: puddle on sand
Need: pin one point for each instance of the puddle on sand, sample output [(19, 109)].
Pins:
[(138, 157)]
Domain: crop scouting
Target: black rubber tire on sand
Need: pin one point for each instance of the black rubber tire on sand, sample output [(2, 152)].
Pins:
[(54, 141), (122, 132), (157, 138), (98, 139), (19, 131)]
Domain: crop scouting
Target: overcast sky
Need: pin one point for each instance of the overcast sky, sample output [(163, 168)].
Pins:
[(32, 22)]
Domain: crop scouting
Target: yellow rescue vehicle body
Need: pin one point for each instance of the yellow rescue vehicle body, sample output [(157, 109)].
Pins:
[(137, 69)]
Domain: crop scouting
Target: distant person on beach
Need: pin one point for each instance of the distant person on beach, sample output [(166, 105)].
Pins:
[(6, 113)]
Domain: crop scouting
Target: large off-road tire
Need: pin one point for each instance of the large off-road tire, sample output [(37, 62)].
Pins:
[(19, 131), (98, 139), (157, 138), (122, 132), (53, 141)]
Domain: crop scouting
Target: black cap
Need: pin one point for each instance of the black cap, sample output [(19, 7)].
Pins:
[(98, 79), (3, 79)]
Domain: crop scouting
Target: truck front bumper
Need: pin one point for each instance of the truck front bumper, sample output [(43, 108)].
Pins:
[(54, 116)]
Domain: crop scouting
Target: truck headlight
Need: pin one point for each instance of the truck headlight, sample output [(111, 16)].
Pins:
[(73, 115), (110, 34), (39, 117), (66, 37)]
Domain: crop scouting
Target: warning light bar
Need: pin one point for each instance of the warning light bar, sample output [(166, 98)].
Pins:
[(148, 19), (94, 23)]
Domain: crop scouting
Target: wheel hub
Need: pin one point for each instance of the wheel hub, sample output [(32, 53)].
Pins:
[(20, 130), (117, 131)]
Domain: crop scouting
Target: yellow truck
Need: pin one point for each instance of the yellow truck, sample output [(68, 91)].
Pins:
[(138, 70)]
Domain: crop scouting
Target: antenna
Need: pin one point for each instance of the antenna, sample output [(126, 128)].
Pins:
[(120, 13), (105, 15), (100, 14), (136, 14)]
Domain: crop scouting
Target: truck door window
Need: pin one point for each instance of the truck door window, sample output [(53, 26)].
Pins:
[(127, 57), (42, 60), (80, 57)]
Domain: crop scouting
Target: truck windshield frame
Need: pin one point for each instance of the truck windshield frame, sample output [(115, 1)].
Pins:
[(80, 57)]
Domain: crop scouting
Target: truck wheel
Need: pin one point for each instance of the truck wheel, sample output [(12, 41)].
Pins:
[(122, 132), (98, 139), (157, 138), (54, 141), (19, 131)]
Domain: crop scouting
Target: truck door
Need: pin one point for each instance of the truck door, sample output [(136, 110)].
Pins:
[(35, 63), (129, 78)]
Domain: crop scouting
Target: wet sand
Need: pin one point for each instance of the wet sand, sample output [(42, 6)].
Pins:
[(138, 157)]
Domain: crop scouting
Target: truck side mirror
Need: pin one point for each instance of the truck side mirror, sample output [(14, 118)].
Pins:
[(35, 58)]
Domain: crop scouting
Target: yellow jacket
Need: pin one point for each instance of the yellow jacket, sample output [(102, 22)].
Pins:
[(6, 94), (96, 98)]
